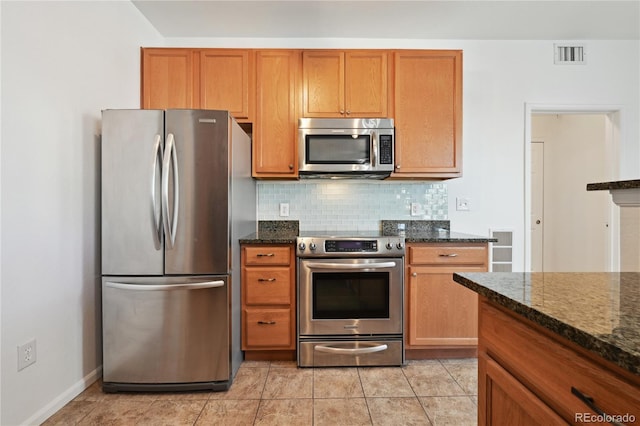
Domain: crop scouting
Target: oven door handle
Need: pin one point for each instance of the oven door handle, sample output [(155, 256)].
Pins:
[(354, 351), (362, 266)]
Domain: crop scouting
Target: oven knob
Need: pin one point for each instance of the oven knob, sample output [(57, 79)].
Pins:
[(302, 246), (399, 246), (312, 246), (389, 246)]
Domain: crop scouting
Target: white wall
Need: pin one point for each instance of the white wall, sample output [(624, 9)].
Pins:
[(499, 79), (62, 62)]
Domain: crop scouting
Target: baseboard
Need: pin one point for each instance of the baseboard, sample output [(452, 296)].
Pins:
[(64, 398)]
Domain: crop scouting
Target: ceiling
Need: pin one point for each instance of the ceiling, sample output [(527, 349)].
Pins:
[(450, 19)]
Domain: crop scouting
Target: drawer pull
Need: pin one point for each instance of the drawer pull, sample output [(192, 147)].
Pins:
[(267, 280), (589, 401), (266, 322), (448, 255), (265, 254)]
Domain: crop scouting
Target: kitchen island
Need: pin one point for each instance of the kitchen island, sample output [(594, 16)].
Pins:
[(557, 347)]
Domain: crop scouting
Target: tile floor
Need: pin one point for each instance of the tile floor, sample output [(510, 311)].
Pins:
[(429, 392)]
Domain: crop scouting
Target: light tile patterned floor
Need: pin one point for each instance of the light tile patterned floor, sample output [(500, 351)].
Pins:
[(429, 392)]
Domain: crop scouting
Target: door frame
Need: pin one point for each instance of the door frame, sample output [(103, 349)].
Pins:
[(613, 123)]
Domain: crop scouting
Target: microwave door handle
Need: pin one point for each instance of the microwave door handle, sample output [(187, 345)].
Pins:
[(374, 148)]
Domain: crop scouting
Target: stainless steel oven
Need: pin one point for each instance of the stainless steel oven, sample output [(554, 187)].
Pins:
[(350, 301)]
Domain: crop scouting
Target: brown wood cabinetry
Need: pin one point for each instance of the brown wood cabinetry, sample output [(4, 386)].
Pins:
[(198, 78), (268, 301), (420, 89), (167, 79), (441, 315), (345, 83), (226, 81), (428, 113), (527, 375), (275, 131)]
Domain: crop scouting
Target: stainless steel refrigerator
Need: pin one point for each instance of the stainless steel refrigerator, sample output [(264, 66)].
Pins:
[(177, 194)]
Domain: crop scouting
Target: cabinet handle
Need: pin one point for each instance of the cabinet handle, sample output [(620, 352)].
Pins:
[(590, 402), (448, 255), (269, 280), (265, 254), (266, 322)]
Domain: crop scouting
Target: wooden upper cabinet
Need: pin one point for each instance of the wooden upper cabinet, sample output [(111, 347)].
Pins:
[(345, 84), (226, 80), (428, 113), (167, 78), (275, 129)]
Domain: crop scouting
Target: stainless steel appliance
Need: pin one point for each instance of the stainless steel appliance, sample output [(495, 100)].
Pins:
[(350, 300), (346, 147), (177, 194)]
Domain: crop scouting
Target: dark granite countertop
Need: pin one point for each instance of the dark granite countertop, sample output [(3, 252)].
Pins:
[(620, 184), (597, 311), (285, 232)]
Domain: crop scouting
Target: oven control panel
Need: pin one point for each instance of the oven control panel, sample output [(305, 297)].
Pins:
[(350, 247)]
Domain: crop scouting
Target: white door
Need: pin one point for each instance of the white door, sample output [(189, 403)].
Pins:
[(537, 206), (575, 222)]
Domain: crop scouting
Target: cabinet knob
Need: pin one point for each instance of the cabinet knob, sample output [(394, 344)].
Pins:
[(290, 166), (342, 112), (348, 112), (414, 274), (398, 167)]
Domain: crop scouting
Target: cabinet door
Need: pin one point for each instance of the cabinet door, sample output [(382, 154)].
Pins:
[(225, 81), (275, 127), (366, 76), (323, 83), (428, 113), (503, 400), (167, 79), (441, 312)]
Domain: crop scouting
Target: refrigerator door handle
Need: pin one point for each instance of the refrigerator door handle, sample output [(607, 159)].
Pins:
[(156, 214), (170, 222), (165, 287)]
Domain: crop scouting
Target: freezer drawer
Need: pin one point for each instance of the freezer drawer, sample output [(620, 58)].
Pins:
[(166, 333)]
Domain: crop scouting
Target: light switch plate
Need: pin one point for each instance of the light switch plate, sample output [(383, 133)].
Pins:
[(284, 209)]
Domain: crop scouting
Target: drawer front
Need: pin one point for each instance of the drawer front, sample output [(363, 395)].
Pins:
[(267, 255), (449, 254), (268, 328), (551, 369), (267, 285)]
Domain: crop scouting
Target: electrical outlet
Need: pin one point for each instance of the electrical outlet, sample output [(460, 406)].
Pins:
[(415, 209), (463, 204), (284, 209), (26, 354)]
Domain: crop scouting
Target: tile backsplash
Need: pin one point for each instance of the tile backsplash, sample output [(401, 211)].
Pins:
[(355, 205)]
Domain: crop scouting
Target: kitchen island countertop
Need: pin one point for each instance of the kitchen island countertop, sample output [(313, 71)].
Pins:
[(599, 312)]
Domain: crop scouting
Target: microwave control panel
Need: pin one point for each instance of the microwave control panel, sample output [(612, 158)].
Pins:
[(386, 149)]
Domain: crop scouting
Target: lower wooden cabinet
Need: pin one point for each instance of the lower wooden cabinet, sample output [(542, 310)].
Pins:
[(441, 315), (529, 376), (268, 301)]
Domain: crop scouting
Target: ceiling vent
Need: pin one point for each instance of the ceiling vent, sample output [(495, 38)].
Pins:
[(569, 53)]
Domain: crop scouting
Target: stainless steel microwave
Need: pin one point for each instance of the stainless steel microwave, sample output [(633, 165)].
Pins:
[(346, 147)]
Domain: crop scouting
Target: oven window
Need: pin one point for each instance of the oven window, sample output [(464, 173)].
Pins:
[(352, 295), (337, 149)]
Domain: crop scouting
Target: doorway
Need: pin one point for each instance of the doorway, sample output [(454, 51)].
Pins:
[(570, 229)]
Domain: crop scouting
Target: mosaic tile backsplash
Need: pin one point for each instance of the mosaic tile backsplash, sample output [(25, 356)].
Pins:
[(338, 205)]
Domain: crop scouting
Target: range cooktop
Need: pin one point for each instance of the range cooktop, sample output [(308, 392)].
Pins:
[(348, 244)]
